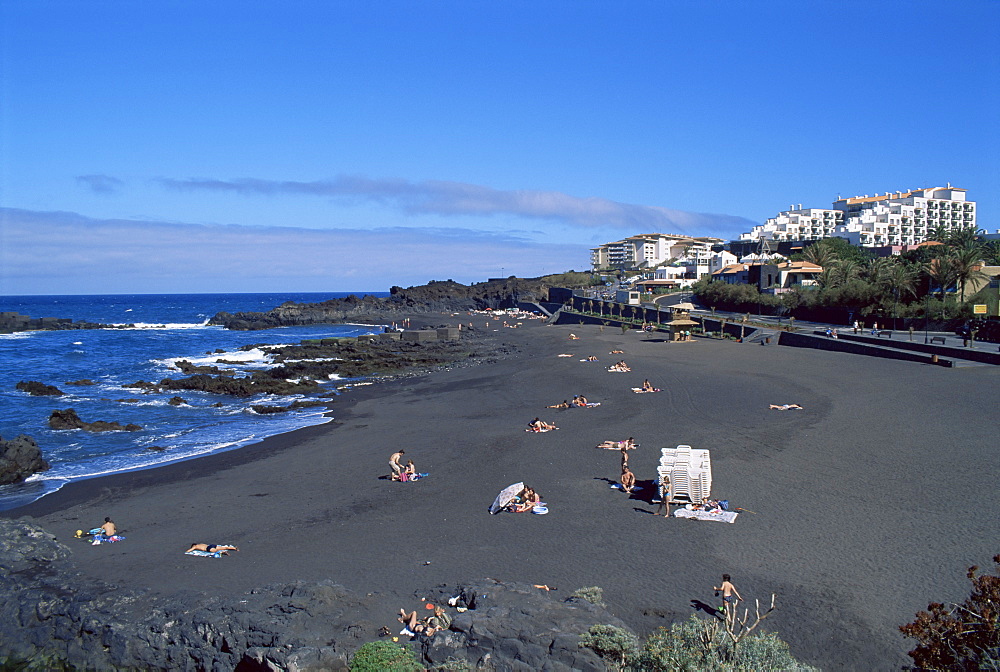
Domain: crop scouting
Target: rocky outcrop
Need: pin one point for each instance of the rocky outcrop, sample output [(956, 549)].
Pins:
[(36, 389), (49, 611), (20, 458), (435, 296), (68, 419)]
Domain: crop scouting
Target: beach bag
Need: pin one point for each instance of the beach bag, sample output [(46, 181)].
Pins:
[(403, 476)]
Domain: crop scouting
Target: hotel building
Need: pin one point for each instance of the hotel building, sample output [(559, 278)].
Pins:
[(890, 219)]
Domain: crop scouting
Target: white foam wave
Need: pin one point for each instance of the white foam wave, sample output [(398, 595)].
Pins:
[(166, 326)]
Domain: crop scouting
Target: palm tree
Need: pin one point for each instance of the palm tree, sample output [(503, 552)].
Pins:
[(941, 271), (845, 271), (877, 270), (902, 280), (966, 262), (820, 254)]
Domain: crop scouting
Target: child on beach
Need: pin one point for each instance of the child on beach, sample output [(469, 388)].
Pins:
[(728, 590)]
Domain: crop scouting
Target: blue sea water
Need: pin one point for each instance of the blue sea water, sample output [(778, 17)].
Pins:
[(166, 328)]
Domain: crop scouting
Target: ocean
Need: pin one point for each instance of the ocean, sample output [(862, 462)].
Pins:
[(166, 328)]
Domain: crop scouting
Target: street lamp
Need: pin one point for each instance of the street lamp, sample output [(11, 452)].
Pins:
[(927, 313)]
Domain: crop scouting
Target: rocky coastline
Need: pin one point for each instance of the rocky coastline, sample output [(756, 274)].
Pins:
[(53, 615), (434, 297)]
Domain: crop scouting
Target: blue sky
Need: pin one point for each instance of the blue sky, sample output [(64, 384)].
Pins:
[(349, 146)]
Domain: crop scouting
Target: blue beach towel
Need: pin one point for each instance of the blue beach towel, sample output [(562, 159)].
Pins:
[(204, 554)]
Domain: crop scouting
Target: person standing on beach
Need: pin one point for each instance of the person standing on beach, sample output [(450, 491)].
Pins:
[(664, 497), (395, 464), (728, 590)]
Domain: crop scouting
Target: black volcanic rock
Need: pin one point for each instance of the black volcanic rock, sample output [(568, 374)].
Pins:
[(37, 389), (435, 296), (68, 419), (20, 458), (49, 611)]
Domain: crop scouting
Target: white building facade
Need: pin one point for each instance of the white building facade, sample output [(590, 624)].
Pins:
[(648, 251), (894, 218)]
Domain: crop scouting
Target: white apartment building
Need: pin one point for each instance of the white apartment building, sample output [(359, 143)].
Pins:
[(797, 224), (904, 218), (650, 250), (893, 218)]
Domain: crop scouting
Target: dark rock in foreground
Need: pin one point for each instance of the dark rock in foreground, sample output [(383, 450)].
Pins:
[(68, 419), (49, 611), (19, 459), (37, 389)]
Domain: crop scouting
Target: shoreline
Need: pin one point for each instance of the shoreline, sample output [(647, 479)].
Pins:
[(842, 530)]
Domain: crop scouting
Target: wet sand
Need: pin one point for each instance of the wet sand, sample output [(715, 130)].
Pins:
[(868, 504)]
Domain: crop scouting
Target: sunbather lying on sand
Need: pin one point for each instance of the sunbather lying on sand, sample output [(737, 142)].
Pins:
[(627, 444), (617, 352), (564, 404), (222, 549), (647, 386), (591, 358), (537, 425), (414, 626), (785, 407), (564, 355), (574, 337), (620, 366)]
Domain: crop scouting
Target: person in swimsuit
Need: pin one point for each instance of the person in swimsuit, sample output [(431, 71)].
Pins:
[(395, 464), (212, 548), (728, 601), (628, 478), (564, 404)]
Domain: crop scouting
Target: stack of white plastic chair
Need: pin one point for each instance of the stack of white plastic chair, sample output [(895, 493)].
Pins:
[(689, 471)]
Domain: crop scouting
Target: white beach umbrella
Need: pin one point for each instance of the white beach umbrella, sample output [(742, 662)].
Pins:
[(505, 496)]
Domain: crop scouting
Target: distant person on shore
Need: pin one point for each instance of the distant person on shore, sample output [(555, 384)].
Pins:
[(106, 532), (409, 472), (108, 529), (538, 425), (396, 465), (564, 404), (664, 497), (628, 478), (222, 549), (526, 500), (728, 590), (647, 386)]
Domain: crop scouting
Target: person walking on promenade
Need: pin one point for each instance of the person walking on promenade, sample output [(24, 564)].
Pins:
[(729, 602)]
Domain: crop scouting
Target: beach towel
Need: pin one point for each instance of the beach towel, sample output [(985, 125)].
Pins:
[(539, 509), (618, 486), (639, 390), (107, 540), (204, 554), (719, 516), (539, 431), (564, 355), (406, 478)]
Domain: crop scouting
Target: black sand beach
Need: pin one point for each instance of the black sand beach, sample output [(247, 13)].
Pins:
[(868, 504)]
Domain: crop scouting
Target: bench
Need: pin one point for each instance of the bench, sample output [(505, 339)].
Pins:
[(937, 339), (884, 332)]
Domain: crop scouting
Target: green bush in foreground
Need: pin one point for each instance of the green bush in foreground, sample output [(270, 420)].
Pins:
[(385, 656), (695, 645), (593, 594)]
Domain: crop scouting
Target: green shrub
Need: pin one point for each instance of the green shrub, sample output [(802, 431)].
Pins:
[(593, 594), (385, 656), (697, 645), (615, 645)]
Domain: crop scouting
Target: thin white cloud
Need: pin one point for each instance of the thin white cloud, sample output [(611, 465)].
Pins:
[(101, 184), (457, 198), (67, 253)]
